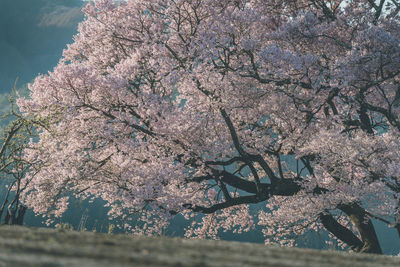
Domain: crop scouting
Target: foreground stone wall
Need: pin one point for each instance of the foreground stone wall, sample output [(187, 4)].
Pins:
[(22, 246)]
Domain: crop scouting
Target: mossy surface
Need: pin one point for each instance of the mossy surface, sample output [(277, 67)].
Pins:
[(23, 246)]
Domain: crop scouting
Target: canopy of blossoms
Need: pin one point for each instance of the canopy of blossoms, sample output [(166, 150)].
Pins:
[(165, 107)]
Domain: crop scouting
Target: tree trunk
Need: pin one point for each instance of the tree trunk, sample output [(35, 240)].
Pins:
[(364, 225), (20, 216)]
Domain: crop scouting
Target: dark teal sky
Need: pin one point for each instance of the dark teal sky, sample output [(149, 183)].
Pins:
[(33, 34)]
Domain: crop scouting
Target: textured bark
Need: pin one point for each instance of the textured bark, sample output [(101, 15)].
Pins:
[(364, 225), (341, 232)]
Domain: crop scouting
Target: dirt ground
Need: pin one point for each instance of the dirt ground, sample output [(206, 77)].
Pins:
[(23, 246)]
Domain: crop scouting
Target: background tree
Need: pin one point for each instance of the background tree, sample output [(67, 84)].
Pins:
[(200, 106), (16, 133)]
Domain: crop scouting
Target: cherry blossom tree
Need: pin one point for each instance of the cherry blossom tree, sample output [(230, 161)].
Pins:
[(166, 107)]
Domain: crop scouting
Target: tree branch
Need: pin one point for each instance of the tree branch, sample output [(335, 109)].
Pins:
[(341, 232), (230, 203)]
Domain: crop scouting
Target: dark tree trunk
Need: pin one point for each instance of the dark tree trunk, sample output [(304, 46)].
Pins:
[(15, 215), (342, 233), (21, 214), (7, 218), (364, 225)]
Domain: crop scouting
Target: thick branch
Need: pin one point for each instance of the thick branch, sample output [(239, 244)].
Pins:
[(232, 131), (364, 225), (271, 175), (284, 187), (230, 203), (225, 163), (235, 181), (378, 8), (341, 232)]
